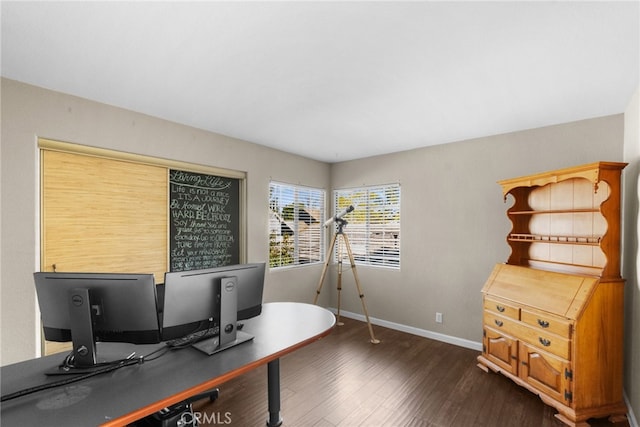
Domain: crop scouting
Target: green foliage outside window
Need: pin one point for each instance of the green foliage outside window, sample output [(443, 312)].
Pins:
[(280, 254)]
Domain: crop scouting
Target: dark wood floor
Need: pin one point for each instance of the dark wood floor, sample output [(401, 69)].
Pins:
[(406, 380)]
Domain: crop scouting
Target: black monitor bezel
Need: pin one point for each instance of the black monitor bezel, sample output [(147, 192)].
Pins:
[(141, 306), (205, 297)]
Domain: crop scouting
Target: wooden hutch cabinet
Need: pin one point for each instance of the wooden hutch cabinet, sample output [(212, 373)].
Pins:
[(553, 314)]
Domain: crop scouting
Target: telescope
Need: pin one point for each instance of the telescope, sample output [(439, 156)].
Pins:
[(338, 237), (339, 216)]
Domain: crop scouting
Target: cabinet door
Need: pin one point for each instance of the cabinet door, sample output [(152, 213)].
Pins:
[(501, 349), (548, 373)]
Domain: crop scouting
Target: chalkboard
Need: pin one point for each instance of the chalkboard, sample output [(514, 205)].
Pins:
[(204, 221)]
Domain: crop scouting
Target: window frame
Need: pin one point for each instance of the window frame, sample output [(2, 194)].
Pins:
[(311, 224)]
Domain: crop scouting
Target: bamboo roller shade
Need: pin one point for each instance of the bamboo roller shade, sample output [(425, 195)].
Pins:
[(103, 215)]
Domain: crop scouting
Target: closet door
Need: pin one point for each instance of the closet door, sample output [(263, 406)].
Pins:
[(102, 215)]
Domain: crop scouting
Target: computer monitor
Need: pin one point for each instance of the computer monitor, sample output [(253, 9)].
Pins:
[(217, 297), (89, 307)]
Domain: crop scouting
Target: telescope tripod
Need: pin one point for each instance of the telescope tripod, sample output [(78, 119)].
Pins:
[(336, 237)]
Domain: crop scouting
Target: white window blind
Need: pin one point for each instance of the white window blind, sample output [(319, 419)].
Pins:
[(296, 220), (373, 227)]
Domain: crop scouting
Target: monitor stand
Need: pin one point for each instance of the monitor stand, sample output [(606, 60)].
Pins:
[(83, 358), (84, 345), (229, 335)]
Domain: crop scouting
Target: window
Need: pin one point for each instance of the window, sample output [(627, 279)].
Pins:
[(374, 225), (296, 218)]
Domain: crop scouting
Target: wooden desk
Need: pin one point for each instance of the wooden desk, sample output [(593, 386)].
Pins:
[(131, 393)]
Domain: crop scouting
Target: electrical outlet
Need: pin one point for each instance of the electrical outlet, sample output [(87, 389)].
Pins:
[(438, 317)]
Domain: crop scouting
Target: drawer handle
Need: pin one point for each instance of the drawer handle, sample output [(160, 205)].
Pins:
[(498, 322), (543, 323), (545, 342), (500, 308)]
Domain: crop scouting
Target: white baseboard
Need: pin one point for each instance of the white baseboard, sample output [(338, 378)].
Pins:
[(633, 422), (473, 345)]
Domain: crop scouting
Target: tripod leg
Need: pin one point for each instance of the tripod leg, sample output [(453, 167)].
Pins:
[(357, 280), (324, 269), (339, 285)]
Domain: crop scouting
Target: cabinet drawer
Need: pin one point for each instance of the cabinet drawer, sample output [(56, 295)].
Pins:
[(544, 340), (500, 323), (501, 307), (548, 342), (546, 322)]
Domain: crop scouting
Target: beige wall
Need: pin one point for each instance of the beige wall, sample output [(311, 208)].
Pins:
[(453, 216), (454, 224), (29, 112), (631, 258)]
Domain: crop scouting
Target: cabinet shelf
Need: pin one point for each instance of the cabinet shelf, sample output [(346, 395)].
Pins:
[(575, 207), (554, 211), (572, 240), (572, 268)]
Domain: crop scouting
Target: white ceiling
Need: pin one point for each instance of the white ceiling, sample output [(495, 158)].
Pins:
[(334, 81)]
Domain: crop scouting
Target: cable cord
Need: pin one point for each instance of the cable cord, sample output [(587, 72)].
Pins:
[(108, 367)]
